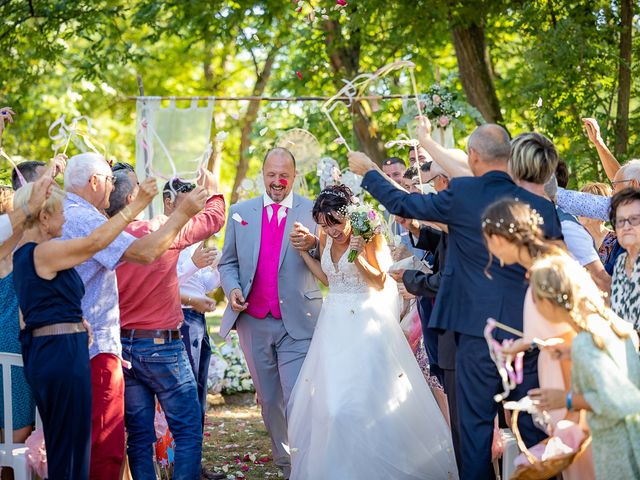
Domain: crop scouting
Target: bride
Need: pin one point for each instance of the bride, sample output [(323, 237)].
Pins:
[(361, 408)]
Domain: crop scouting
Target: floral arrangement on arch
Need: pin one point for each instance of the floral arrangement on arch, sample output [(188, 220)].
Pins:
[(440, 105), (228, 371)]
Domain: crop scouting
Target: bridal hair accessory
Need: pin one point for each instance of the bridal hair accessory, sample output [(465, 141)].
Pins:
[(336, 194), (561, 299), (534, 223)]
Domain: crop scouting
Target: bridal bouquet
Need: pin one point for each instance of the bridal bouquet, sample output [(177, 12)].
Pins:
[(365, 223)]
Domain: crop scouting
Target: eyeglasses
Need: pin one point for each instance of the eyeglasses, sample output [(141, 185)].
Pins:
[(634, 221), (615, 182), (433, 180), (107, 177), (185, 188)]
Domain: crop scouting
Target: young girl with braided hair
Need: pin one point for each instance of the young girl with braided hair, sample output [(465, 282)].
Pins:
[(605, 364), (513, 234)]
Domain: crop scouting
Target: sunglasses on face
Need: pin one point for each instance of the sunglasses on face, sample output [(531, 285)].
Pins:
[(185, 188)]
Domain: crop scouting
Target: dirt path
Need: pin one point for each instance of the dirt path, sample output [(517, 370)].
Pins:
[(236, 441)]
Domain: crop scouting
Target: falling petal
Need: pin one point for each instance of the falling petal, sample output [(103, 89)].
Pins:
[(263, 131), (539, 104), (342, 3), (299, 75), (339, 141)]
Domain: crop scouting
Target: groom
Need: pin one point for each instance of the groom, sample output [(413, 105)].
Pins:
[(274, 299)]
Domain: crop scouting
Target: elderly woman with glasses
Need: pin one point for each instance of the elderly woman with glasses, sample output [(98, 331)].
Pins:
[(54, 337), (625, 288)]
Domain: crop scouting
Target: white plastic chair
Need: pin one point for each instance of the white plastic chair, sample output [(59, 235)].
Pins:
[(13, 455), (511, 451)]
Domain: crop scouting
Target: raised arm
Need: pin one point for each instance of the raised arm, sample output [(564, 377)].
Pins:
[(53, 256), (454, 162), (434, 207), (609, 162), (147, 249), (584, 204)]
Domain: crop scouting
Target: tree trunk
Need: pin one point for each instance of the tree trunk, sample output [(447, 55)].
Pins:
[(624, 77), (249, 119), (344, 56), (475, 72)]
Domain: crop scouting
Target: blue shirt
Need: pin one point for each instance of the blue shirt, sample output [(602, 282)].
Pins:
[(100, 302)]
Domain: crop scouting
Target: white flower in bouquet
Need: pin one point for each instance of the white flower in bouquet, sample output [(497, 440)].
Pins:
[(365, 223)]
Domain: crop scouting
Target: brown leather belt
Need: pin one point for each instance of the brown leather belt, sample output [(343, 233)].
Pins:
[(64, 328), (139, 333)]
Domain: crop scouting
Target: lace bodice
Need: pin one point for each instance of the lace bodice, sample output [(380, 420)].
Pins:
[(344, 277)]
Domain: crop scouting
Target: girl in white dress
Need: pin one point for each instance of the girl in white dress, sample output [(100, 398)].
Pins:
[(361, 408)]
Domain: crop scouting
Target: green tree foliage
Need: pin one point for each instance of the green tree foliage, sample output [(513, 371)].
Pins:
[(60, 57)]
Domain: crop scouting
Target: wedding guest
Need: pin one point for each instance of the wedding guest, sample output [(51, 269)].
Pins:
[(410, 179), (394, 167), (562, 174), (596, 206), (625, 288), (55, 338), (441, 346), (12, 221), (197, 276), (532, 162), (150, 316), (604, 238), (22, 401), (418, 155), (30, 171), (513, 234), (605, 365), (88, 181), (467, 297)]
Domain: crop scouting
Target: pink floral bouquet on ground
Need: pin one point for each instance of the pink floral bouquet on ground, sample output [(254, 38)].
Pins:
[(365, 223)]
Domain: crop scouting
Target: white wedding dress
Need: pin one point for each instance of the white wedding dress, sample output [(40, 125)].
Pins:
[(361, 408)]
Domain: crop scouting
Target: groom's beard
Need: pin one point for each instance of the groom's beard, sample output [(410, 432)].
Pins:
[(277, 192)]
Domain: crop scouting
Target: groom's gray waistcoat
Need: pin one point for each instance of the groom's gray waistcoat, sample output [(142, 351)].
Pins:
[(300, 298)]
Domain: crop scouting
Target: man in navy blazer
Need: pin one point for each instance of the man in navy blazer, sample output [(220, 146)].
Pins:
[(473, 287)]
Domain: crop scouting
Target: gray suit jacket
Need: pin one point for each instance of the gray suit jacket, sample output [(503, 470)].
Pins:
[(300, 297)]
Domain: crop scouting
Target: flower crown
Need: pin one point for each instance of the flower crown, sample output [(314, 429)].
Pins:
[(535, 221)]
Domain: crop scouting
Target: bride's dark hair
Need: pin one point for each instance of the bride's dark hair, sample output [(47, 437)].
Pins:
[(330, 201)]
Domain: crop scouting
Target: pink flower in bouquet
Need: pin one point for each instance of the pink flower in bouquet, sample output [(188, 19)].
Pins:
[(436, 99), (443, 121), (372, 215), (36, 453)]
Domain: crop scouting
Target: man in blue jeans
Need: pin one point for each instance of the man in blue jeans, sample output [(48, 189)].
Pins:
[(155, 361)]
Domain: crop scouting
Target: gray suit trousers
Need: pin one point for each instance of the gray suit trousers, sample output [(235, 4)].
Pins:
[(274, 359)]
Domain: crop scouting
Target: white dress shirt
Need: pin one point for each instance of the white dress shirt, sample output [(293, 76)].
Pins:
[(282, 212), (6, 230), (196, 282)]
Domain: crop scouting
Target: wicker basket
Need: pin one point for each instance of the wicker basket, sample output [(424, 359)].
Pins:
[(542, 469)]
